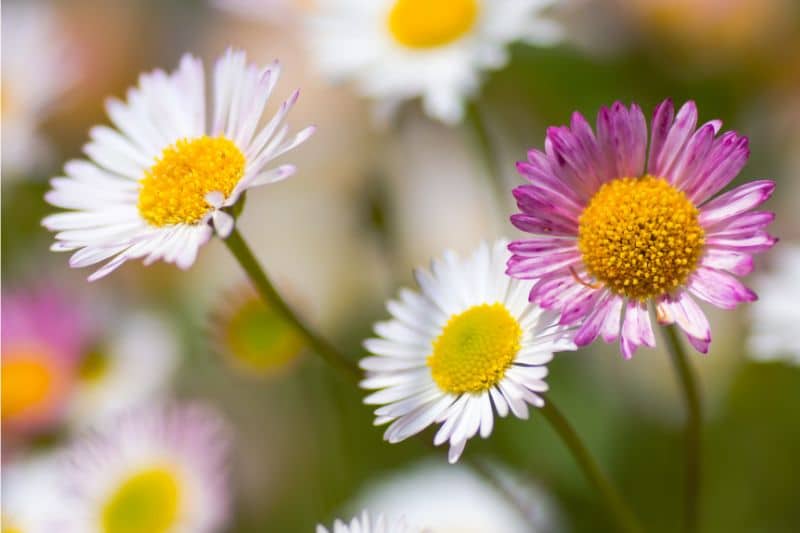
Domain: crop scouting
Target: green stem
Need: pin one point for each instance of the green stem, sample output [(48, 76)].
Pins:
[(693, 427), (249, 263), (494, 170), (621, 514)]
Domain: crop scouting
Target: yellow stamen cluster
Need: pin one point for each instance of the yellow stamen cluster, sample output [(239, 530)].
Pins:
[(148, 500), (475, 349), (173, 191), (640, 237), (431, 23), (27, 380)]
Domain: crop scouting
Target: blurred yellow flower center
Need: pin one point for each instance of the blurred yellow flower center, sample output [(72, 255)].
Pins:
[(9, 526), (94, 366), (27, 381), (475, 349), (173, 191), (640, 237), (431, 23), (147, 502), (259, 340)]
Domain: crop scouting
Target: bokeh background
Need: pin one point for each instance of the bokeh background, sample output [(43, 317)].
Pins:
[(368, 204)]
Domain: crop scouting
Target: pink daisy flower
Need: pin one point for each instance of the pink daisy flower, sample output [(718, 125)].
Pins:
[(43, 336), (616, 229)]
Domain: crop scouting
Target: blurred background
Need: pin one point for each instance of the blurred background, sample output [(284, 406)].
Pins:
[(366, 206)]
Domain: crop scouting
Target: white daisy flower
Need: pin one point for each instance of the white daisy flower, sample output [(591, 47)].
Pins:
[(469, 345), (156, 187), (454, 498), (365, 524), (133, 367), (32, 31), (29, 487), (774, 335), (160, 469), (396, 50)]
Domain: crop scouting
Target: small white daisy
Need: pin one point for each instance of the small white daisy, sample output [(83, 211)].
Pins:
[(454, 498), (366, 524), (134, 366), (155, 470), (156, 187), (29, 487), (32, 31), (469, 345), (774, 335), (397, 50)]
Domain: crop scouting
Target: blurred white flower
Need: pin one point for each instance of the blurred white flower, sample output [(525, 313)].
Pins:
[(365, 524), (397, 50), (29, 488), (36, 70), (156, 469), (774, 334), (133, 367), (446, 499)]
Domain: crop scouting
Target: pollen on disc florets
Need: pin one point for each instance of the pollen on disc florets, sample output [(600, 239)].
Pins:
[(475, 349), (173, 191), (640, 237)]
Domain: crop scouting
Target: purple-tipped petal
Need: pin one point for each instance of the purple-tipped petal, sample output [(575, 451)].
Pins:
[(735, 202), (679, 133), (590, 328), (636, 329), (719, 289), (723, 163), (683, 310), (662, 120), (735, 262)]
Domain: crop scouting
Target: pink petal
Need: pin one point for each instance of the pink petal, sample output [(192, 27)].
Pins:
[(679, 133), (735, 202), (683, 310), (636, 329), (610, 329), (662, 120), (590, 328), (579, 307), (689, 162), (537, 266), (719, 288), (723, 163), (543, 225), (735, 262)]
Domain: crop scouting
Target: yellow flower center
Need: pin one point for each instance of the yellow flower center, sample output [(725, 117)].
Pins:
[(640, 237), (475, 349), (8, 526), (147, 502), (431, 23), (173, 191), (259, 340), (27, 381)]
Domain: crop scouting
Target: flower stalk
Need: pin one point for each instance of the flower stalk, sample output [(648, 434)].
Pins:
[(691, 396)]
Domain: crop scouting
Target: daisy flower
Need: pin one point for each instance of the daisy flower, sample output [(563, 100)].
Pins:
[(156, 469), (159, 185), (468, 345), (366, 524), (470, 503), (32, 30), (130, 366), (42, 338), (774, 335), (397, 50), (254, 338), (28, 488), (616, 229)]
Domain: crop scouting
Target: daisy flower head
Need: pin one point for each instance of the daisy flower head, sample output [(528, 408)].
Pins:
[(774, 335), (398, 50), (158, 186), (156, 469), (33, 31), (253, 337), (616, 228), (454, 498), (467, 345), (366, 524), (29, 486), (131, 365), (43, 336)]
